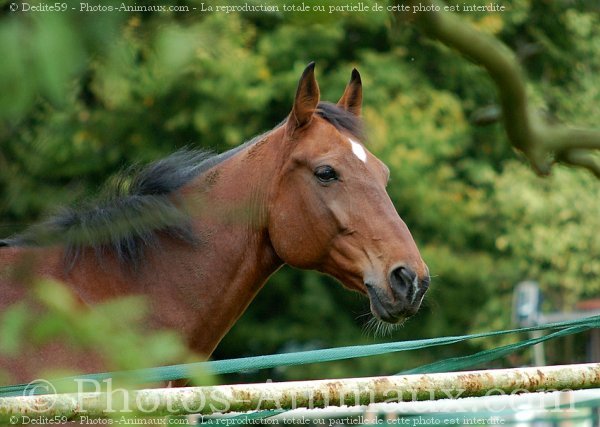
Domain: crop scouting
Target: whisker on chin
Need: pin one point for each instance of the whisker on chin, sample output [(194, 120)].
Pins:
[(368, 313), (380, 328), (369, 327)]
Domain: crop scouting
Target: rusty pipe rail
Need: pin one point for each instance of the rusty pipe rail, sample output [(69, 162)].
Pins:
[(298, 394)]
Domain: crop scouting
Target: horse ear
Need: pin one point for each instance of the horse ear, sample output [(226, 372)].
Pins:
[(307, 99), (351, 100)]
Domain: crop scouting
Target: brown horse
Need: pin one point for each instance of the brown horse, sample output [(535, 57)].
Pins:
[(199, 234)]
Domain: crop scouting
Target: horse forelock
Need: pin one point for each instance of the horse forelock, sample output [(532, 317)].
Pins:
[(341, 119)]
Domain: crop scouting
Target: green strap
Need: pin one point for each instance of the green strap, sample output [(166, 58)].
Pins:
[(458, 363), (168, 373)]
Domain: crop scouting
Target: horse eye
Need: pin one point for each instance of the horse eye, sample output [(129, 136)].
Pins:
[(326, 174)]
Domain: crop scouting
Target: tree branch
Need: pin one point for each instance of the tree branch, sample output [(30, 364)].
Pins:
[(580, 158), (543, 144)]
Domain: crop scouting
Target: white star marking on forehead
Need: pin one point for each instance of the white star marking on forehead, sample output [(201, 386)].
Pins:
[(358, 150)]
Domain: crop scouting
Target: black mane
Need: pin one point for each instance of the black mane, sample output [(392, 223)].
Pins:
[(137, 205), (141, 203)]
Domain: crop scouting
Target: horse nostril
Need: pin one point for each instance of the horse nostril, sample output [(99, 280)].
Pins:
[(402, 281)]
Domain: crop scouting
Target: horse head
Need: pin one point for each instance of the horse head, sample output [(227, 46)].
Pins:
[(330, 210)]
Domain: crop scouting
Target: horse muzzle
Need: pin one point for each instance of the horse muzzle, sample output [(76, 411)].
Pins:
[(402, 299)]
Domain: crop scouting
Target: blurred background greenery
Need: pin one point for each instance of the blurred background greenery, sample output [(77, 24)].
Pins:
[(84, 94)]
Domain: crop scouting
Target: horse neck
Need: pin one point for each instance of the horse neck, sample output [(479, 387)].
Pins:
[(200, 290), (213, 284)]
